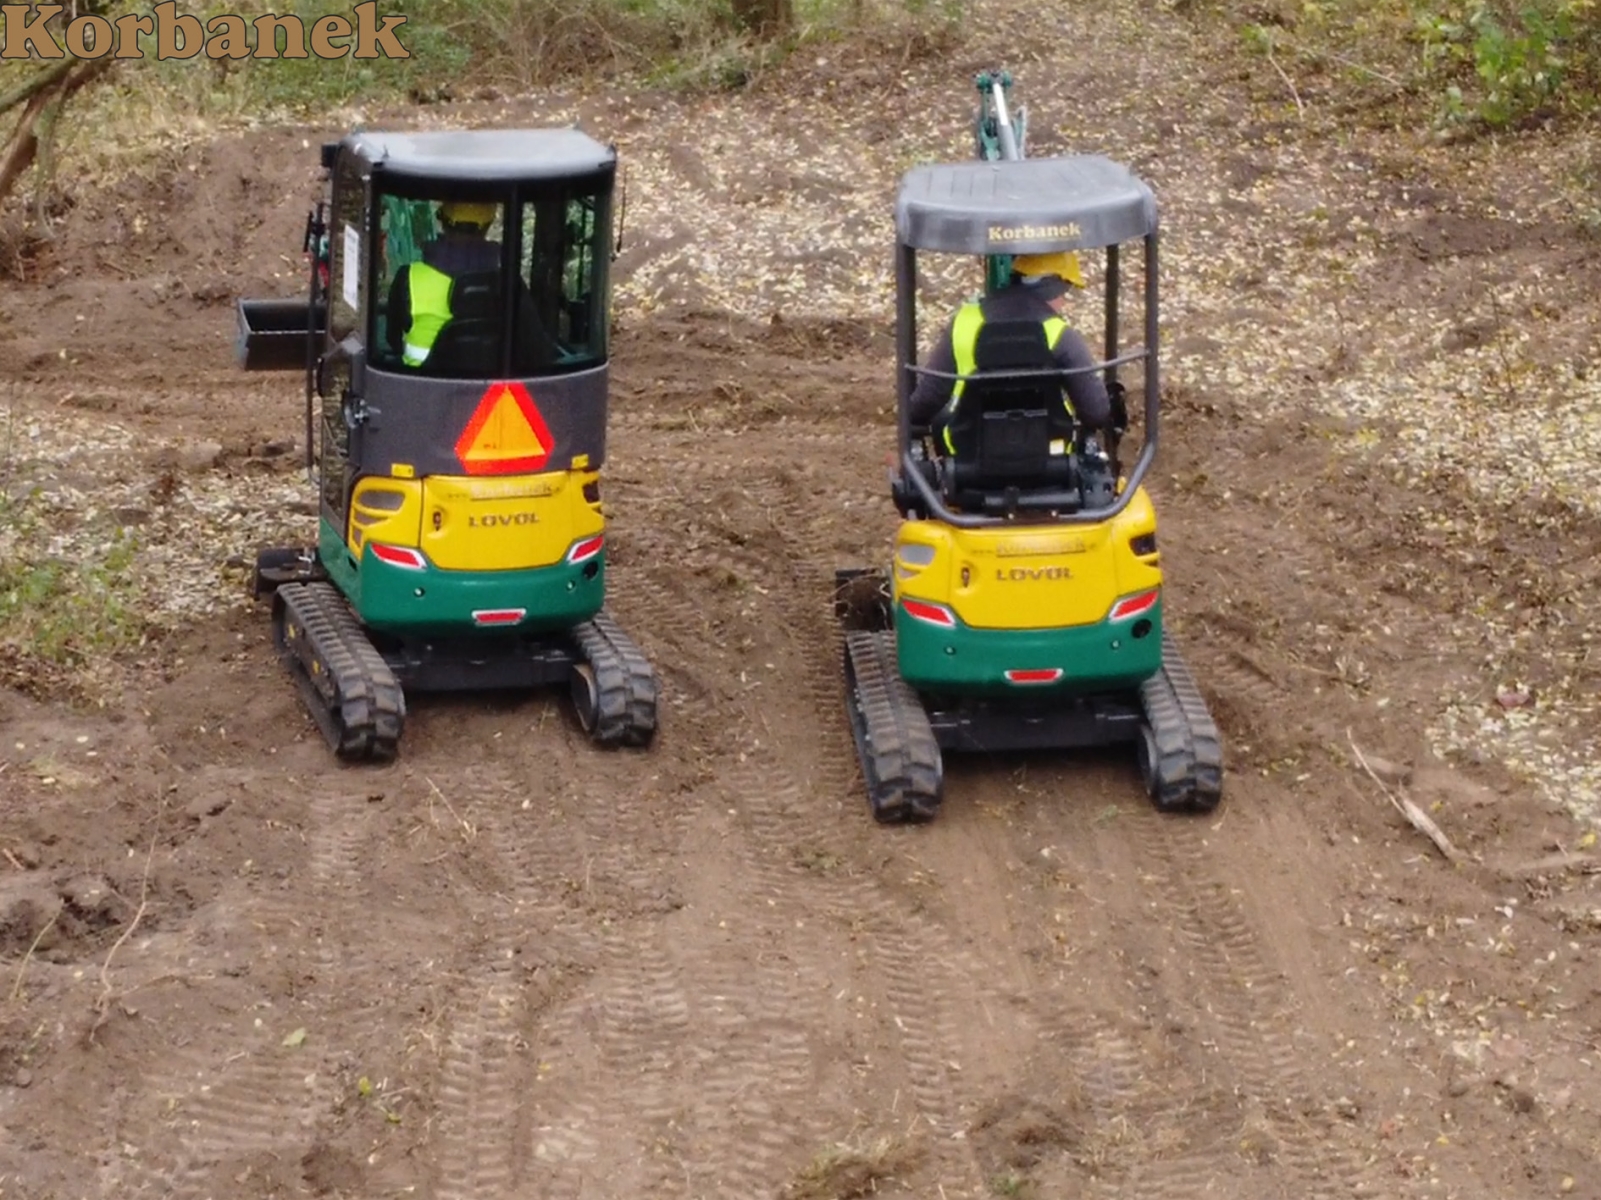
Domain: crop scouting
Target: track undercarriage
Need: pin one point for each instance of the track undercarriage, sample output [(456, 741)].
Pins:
[(901, 735), (354, 682)]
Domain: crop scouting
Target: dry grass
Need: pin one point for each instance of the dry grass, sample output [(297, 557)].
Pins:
[(849, 1171)]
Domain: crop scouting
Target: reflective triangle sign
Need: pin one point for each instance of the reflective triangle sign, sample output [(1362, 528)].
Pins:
[(506, 433)]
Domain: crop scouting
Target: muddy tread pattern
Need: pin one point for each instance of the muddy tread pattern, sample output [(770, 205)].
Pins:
[(624, 682), (221, 1112), (895, 743), (352, 695), (1187, 774), (1252, 1021)]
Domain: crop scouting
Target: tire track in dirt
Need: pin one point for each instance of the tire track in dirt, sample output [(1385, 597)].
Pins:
[(1248, 1008), (784, 800), (494, 1144), (916, 967), (268, 1097), (750, 1065), (1053, 905)]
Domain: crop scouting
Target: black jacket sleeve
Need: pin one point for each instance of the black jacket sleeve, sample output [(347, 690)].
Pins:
[(930, 392), (1087, 391)]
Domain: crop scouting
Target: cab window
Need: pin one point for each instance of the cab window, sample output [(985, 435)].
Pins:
[(439, 283), (562, 303)]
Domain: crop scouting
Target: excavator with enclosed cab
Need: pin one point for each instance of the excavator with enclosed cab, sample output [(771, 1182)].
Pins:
[(455, 340)]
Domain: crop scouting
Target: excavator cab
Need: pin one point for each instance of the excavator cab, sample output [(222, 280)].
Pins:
[(455, 345)]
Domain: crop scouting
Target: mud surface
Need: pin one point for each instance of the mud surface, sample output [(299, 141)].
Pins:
[(511, 965)]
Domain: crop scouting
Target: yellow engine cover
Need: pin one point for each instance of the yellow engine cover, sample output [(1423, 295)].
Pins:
[(466, 523), (1030, 576)]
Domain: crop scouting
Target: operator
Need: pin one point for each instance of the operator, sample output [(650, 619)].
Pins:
[(419, 298), (1037, 289)]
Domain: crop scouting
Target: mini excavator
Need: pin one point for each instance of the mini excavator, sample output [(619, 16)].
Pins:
[(1023, 605), (455, 343)]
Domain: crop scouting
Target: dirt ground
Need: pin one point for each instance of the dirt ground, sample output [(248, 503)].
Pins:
[(512, 965)]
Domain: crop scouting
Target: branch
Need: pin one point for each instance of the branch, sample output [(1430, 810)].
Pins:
[(46, 95), (1288, 82), (39, 79), (1418, 819)]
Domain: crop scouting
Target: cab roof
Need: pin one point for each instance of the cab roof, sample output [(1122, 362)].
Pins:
[(483, 155), (1023, 206)]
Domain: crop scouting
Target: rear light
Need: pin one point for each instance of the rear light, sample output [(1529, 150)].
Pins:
[(586, 549), (499, 616), (1037, 675), (1144, 545), (934, 614), (399, 556), (1133, 606)]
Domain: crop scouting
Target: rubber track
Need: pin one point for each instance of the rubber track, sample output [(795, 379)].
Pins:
[(365, 713), (1189, 752), (894, 741), (624, 682)]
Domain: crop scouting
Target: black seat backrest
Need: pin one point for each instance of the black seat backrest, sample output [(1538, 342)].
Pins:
[(1004, 427), (470, 342)]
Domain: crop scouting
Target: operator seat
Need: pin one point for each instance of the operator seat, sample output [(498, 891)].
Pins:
[(1005, 428), (470, 342)]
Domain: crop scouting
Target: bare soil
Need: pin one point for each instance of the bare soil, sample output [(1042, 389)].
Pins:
[(512, 965)]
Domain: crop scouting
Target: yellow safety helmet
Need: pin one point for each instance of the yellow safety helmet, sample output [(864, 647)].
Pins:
[(468, 212), (1063, 263)]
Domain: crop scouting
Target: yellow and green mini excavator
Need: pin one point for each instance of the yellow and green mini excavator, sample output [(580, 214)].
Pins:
[(1023, 605), (456, 340)]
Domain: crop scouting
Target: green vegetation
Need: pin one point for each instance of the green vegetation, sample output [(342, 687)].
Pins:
[(54, 609), (129, 109), (1468, 65)]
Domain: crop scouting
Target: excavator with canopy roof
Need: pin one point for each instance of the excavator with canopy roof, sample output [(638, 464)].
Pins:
[(1023, 605)]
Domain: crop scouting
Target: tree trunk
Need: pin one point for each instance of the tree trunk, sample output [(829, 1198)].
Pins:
[(42, 98)]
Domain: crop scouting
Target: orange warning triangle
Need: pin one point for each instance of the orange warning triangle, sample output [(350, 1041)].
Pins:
[(506, 433)]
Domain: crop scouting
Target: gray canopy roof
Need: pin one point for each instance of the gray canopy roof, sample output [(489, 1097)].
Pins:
[(489, 155), (1023, 206)]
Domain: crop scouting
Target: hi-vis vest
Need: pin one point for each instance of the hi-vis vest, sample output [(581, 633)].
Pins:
[(429, 290), (964, 345)]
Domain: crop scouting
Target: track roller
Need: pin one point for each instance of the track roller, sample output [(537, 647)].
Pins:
[(351, 693), (895, 743), (1180, 752), (613, 687)]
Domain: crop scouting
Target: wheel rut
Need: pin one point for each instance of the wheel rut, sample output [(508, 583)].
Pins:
[(221, 1112), (1244, 1007)]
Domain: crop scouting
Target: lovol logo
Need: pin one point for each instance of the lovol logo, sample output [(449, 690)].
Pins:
[(495, 520), (1031, 574)]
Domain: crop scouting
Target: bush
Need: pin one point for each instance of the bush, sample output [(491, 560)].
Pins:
[(1518, 61)]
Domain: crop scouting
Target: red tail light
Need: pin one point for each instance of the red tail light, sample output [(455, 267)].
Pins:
[(1133, 606), (499, 616), (399, 556), (934, 614), (1040, 675), (586, 549)]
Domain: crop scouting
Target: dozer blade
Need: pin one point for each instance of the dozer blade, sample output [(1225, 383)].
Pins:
[(279, 566), (894, 741), (861, 598), (1180, 752), (349, 690), (613, 687)]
